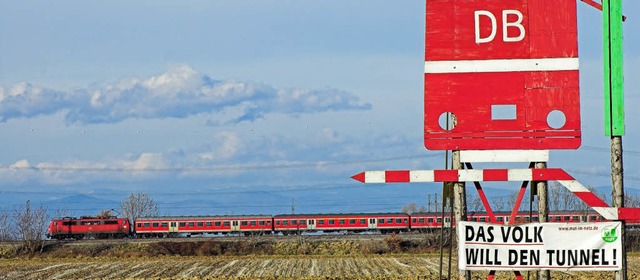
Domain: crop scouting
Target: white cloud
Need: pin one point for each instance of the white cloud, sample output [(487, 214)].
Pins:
[(225, 146), (146, 161), (21, 164), (178, 93)]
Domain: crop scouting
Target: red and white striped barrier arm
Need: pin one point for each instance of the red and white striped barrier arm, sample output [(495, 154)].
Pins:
[(487, 175), (462, 175)]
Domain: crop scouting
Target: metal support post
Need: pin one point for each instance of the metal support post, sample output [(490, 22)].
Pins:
[(617, 196), (543, 211), (459, 204)]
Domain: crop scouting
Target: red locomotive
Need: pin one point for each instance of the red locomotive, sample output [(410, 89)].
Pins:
[(97, 227)]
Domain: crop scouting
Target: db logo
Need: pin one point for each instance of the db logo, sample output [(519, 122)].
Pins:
[(511, 20), (506, 71)]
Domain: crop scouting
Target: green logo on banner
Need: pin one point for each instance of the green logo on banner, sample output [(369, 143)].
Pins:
[(609, 234)]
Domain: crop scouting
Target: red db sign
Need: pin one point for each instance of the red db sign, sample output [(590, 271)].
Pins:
[(501, 75)]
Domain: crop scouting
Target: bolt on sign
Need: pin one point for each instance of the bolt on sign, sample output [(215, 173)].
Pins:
[(501, 75)]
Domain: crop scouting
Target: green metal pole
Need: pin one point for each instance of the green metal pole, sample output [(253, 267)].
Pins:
[(613, 70)]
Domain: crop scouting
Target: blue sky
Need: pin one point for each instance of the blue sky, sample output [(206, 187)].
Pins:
[(200, 96)]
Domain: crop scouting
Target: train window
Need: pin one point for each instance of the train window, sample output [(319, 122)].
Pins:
[(110, 222), (558, 218), (285, 223), (526, 219), (421, 220), (483, 219), (593, 218), (155, 224), (406, 220), (252, 223), (398, 221), (566, 218), (208, 224), (447, 220), (200, 224), (430, 220), (414, 220), (389, 221), (268, 223), (439, 220), (146, 225), (244, 223), (277, 223), (303, 222), (474, 219), (500, 219), (535, 219), (321, 222), (294, 222), (331, 222), (380, 221), (352, 221), (261, 223), (191, 224), (216, 223), (341, 221), (226, 223), (139, 224), (164, 224), (363, 221)]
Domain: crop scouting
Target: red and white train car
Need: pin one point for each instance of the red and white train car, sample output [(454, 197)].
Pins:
[(523, 217), (167, 226), (428, 221), (383, 222)]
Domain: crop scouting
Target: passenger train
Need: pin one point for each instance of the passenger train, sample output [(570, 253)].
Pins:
[(285, 224)]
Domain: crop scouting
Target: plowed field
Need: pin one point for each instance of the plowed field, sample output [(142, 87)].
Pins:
[(252, 267)]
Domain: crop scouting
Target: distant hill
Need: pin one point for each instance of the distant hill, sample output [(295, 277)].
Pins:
[(81, 205), (268, 200)]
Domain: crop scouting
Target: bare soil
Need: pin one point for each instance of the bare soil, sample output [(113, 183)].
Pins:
[(256, 267), (390, 258)]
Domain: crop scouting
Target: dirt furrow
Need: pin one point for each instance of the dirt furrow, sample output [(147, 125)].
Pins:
[(73, 271), (226, 269), (190, 270), (312, 270), (119, 270)]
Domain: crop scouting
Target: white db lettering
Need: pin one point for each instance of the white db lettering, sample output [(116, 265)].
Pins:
[(494, 26), (477, 15), (506, 24)]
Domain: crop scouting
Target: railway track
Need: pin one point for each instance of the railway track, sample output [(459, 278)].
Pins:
[(235, 238)]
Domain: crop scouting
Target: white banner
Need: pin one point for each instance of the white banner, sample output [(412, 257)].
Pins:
[(551, 246)]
